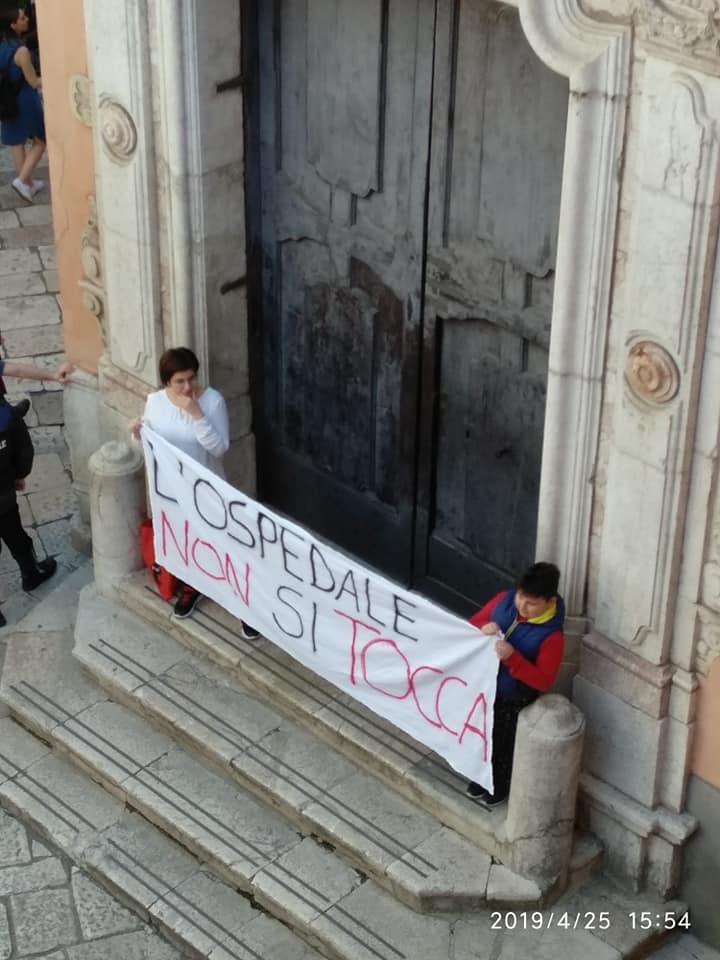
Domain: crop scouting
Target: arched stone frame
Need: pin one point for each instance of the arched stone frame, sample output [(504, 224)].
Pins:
[(595, 56)]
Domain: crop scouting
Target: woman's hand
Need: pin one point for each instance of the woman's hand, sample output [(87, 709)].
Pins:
[(135, 426), (190, 404)]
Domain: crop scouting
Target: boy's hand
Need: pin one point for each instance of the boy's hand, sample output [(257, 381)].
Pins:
[(490, 628), (19, 484), (503, 649)]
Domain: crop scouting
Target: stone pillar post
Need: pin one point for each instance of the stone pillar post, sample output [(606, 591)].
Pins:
[(546, 769), (117, 505)]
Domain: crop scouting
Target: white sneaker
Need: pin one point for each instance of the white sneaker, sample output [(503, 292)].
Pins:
[(37, 186), (22, 189)]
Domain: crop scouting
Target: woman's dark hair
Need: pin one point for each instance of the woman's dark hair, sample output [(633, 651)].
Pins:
[(540, 580), (175, 360), (8, 14)]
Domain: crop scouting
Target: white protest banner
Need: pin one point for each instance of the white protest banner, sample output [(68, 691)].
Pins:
[(427, 671)]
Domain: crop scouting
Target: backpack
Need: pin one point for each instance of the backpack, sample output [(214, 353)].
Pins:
[(9, 90)]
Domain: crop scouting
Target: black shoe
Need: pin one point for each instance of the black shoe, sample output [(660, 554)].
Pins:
[(491, 800), (20, 409), (38, 574), (476, 792), (247, 632), (185, 603), (3, 621)]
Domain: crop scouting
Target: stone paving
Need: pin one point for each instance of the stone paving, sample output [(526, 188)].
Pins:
[(30, 321)]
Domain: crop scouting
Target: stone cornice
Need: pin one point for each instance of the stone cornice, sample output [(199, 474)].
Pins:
[(567, 34)]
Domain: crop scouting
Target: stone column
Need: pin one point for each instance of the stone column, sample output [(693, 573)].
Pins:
[(117, 505), (546, 769), (82, 429)]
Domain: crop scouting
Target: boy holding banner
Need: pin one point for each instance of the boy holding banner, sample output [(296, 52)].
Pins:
[(528, 625)]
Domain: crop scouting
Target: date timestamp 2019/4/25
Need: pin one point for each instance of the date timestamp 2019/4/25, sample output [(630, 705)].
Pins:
[(585, 920)]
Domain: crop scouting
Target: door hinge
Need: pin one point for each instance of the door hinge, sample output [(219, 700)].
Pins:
[(233, 284), (235, 83)]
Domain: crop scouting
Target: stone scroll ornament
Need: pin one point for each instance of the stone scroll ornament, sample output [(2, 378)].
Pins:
[(80, 90), (651, 373), (91, 259), (117, 130), (691, 25)]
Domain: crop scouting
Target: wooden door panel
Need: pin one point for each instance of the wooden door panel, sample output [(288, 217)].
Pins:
[(342, 162), (496, 168)]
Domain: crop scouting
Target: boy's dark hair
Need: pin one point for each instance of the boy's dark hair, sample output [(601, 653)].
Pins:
[(540, 580), (9, 14), (174, 361)]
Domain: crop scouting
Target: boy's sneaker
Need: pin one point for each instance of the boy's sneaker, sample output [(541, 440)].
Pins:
[(185, 603), (41, 572), (3, 621), (22, 189), (247, 632), (37, 186)]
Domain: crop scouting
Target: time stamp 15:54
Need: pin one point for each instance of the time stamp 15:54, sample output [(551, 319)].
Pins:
[(585, 920)]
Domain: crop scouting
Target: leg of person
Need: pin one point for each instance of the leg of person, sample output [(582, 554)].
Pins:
[(33, 571), (503, 740), (18, 155), (32, 158), (505, 719), (186, 602), (504, 730)]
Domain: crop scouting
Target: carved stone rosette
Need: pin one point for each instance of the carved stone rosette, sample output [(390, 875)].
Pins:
[(651, 373), (689, 27), (117, 130), (91, 259)]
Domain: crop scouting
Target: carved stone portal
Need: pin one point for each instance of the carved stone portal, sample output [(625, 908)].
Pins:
[(651, 373), (91, 259), (117, 129)]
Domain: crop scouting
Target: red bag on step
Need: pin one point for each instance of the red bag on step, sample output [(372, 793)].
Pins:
[(166, 583)]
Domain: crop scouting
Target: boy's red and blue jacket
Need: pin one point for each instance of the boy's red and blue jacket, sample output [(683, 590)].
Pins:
[(534, 664)]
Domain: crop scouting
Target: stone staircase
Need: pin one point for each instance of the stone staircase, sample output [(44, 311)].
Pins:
[(251, 810)]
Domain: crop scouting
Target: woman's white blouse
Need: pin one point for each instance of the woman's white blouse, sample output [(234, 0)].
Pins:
[(205, 440)]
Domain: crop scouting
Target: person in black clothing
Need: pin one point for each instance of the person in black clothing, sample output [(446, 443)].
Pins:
[(16, 460)]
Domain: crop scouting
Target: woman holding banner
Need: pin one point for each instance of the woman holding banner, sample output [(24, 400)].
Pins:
[(195, 420)]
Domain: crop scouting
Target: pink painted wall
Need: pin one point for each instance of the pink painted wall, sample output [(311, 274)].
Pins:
[(61, 28), (706, 755)]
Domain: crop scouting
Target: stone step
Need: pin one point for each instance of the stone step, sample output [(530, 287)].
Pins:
[(407, 767), (138, 864), (404, 849), (341, 914), (248, 846)]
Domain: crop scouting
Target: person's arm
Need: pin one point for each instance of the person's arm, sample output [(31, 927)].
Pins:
[(23, 60), (27, 371), (482, 617), (541, 674), (22, 450), (212, 429)]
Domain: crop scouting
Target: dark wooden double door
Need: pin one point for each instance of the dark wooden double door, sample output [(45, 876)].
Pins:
[(404, 162)]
